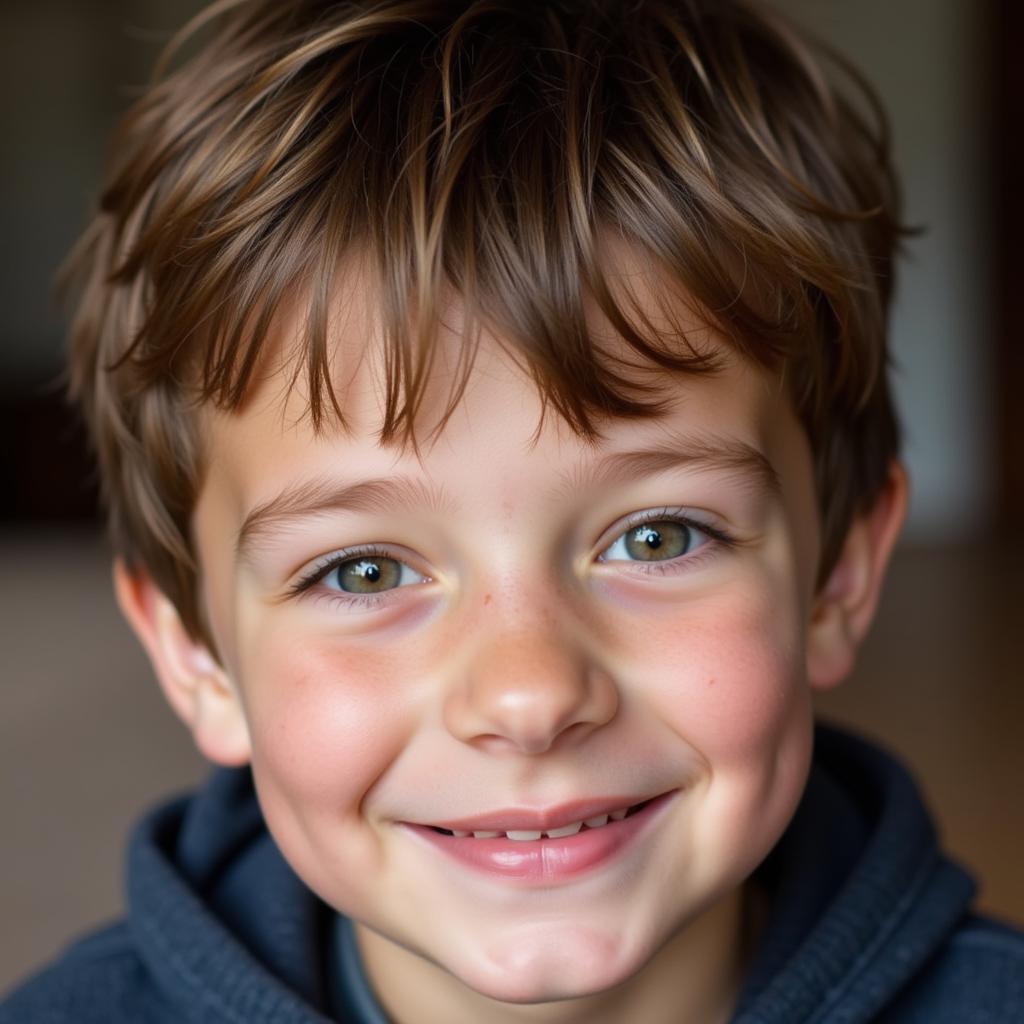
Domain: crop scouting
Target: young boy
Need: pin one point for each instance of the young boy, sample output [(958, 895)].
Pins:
[(491, 404)]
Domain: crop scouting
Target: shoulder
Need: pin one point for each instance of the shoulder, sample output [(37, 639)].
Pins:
[(977, 974), (99, 978)]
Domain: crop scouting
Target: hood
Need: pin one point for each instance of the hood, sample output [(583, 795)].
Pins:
[(861, 895), (860, 898), (218, 917)]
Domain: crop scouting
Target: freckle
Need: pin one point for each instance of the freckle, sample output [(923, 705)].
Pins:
[(711, 681), (487, 598)]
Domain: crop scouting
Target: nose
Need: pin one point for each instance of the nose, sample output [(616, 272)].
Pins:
[(528, 690)]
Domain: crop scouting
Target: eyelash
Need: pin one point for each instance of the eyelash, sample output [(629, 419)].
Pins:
[(718, 539), (335, 597)]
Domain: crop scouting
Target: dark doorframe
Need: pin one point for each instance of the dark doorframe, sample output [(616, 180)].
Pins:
[(1008, 221)]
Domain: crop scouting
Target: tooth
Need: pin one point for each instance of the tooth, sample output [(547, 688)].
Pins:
[(601, 819), (486, 835), (619, 815), (459, 834), (523, 835), (565, 830)]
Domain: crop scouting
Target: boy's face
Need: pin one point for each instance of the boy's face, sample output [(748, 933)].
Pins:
[(525, 631)]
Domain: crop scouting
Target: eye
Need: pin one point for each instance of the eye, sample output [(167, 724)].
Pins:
[(372, 575), (362, 574), (657, 540)]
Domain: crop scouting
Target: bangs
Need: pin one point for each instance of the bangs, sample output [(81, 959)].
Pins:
[(494, 151)]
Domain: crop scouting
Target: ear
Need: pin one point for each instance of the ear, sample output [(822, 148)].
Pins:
[(194, 684), (845, 606)]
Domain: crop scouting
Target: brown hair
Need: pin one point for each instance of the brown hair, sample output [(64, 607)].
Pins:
[(481, 145)]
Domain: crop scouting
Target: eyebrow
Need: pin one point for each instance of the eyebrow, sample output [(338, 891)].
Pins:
[(323, 495), (726, 455)]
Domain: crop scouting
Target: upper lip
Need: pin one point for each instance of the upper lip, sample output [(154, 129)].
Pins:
[(525, 819)]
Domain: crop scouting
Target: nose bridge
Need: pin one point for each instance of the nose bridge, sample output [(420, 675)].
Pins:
[(531, 680)]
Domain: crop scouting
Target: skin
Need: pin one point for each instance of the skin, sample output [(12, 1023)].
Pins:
[(525, 660)]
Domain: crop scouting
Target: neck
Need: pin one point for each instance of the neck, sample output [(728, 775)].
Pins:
[(695, 977)]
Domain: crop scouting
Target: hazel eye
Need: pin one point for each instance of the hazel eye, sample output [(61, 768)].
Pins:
[(371, 574), (656, 541)]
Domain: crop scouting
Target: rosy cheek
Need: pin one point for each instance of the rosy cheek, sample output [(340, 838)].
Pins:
[(323, 714), (727, 678), (723, 669)]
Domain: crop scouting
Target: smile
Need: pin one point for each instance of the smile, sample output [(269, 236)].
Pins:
[(546, 848)]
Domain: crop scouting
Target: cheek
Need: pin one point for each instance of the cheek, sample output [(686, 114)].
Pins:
[(729, 680), (725, 671), (324, 716)]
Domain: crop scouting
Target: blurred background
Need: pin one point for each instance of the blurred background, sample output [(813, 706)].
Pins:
[(86, 741)]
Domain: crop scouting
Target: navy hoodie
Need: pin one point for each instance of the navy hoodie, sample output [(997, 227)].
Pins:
[(868, 921)]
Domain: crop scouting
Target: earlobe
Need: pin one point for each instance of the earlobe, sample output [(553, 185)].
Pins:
[(196, 687), (846, 604)]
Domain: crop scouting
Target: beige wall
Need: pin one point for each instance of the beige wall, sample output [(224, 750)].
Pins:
[(928, 60)]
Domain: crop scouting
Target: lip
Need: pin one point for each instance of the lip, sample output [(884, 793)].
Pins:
[(545, 861), (525, 819)]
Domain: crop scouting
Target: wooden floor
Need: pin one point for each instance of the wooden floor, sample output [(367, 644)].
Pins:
[(86, 741)]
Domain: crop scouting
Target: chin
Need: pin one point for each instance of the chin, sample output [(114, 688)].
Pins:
[(555, 967)]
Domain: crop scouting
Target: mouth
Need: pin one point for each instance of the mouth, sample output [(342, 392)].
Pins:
[(520, 834), (547, 848)]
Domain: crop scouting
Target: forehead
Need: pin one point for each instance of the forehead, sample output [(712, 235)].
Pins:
[(500, 431)]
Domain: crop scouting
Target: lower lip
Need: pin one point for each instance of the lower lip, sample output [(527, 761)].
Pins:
[(546, 860)]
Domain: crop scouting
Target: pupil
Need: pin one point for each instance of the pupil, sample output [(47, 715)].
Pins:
[(651, 538), (371, 573)]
